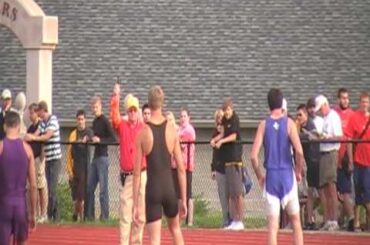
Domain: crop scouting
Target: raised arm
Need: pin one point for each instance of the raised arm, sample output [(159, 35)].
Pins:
[(115, 115)]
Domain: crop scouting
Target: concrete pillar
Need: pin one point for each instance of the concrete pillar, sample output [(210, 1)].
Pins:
[(39, 76)]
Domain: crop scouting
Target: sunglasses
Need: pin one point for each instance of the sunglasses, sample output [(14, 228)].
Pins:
[(299, 114), (133, 109)]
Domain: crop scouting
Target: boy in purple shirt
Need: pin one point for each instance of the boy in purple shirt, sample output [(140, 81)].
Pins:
[(16, 166)]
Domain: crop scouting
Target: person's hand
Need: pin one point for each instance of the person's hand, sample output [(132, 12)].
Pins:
[(95, 139), (29, 137), (116, 89), (32, 223), (135, 215), (261, 181), (213, 175), (213, 143), (350, 168), (298, 175), (183, 209), (218, 144)]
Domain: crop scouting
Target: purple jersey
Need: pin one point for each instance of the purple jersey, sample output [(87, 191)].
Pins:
[(278, 157), (13, 177)]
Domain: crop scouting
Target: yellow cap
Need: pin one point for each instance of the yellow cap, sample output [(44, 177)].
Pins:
[(131, 101)]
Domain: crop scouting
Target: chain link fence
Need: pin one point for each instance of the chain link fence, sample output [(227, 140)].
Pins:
[(207, 208)]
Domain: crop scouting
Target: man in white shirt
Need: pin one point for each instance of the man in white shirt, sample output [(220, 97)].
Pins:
[(332, 130)]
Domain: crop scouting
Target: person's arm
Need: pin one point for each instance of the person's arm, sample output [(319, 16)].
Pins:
[(137, 173), (258, 140), (235, 129), (69, 157), (336, 125), (298, 151), (115, 115), (349, 133), (215, 139), (32, 185), (180, 173)]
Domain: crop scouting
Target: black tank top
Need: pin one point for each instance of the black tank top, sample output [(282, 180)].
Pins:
[(159, 159)]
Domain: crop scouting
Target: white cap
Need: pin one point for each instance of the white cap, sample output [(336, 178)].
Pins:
[(320, 100), (284, 106), (6, 94)]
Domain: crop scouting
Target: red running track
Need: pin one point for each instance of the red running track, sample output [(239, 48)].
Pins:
[(90, 235)]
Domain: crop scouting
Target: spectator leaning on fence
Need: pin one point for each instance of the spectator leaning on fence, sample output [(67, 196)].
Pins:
[(39, 155), (128, 130), (98, 171), (218, 171), (231, 154), (49, 133), (332, 130), (311, 152), (344, 174), (359, 128), (278, 133), (187, 134), (78, 160)]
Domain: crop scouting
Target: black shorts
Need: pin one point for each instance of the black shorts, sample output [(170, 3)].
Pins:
[(78, 186), (189, 184), (160, 195), (313, 174)]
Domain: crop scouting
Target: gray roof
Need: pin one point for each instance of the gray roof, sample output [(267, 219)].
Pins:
[(201, 51)]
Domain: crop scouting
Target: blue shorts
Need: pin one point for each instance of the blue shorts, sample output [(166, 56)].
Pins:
[(344, 181), (361, 179), (13, 221)]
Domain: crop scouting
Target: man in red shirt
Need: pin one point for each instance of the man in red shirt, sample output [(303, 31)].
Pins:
[(359, 162), (128, 129), (344, 176)]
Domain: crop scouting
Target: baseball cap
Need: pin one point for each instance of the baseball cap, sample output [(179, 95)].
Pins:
[(320, 101), (6, 94), (284, 105), (131, 101)]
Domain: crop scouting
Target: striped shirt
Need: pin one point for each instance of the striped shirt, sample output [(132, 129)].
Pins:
[(52, 150)]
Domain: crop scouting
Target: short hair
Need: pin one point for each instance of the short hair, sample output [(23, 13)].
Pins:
[(301, 107), (228, 103), (96, 99), (155, 97), (275, 98), (364, 94), (33, 107), (186, 110), (80, 113), (145, 106), (42, 105), (342, 91), (311, 103), (12, 119)]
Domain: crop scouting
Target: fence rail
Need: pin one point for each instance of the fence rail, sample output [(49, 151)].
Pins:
[(207, 211)]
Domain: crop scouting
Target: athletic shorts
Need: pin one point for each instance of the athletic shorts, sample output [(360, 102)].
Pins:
[(361, 179), (13, 221), (328, 168), (234, 180), (274, 200)]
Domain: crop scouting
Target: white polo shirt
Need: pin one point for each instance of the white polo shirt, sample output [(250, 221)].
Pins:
[(332, 127)]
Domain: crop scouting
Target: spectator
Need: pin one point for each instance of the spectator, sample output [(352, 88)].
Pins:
[(344, 176), (359, 157), (231, 152), (218, 171), (39, 155), (98, 171), (332, 130), (48, 132), (311, 152), (146, 112), (78, 159), (6, 98), (278, 134), (187, 134), (128, 129)]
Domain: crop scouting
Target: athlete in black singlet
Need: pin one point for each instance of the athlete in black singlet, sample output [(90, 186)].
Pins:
[(158, 141)]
